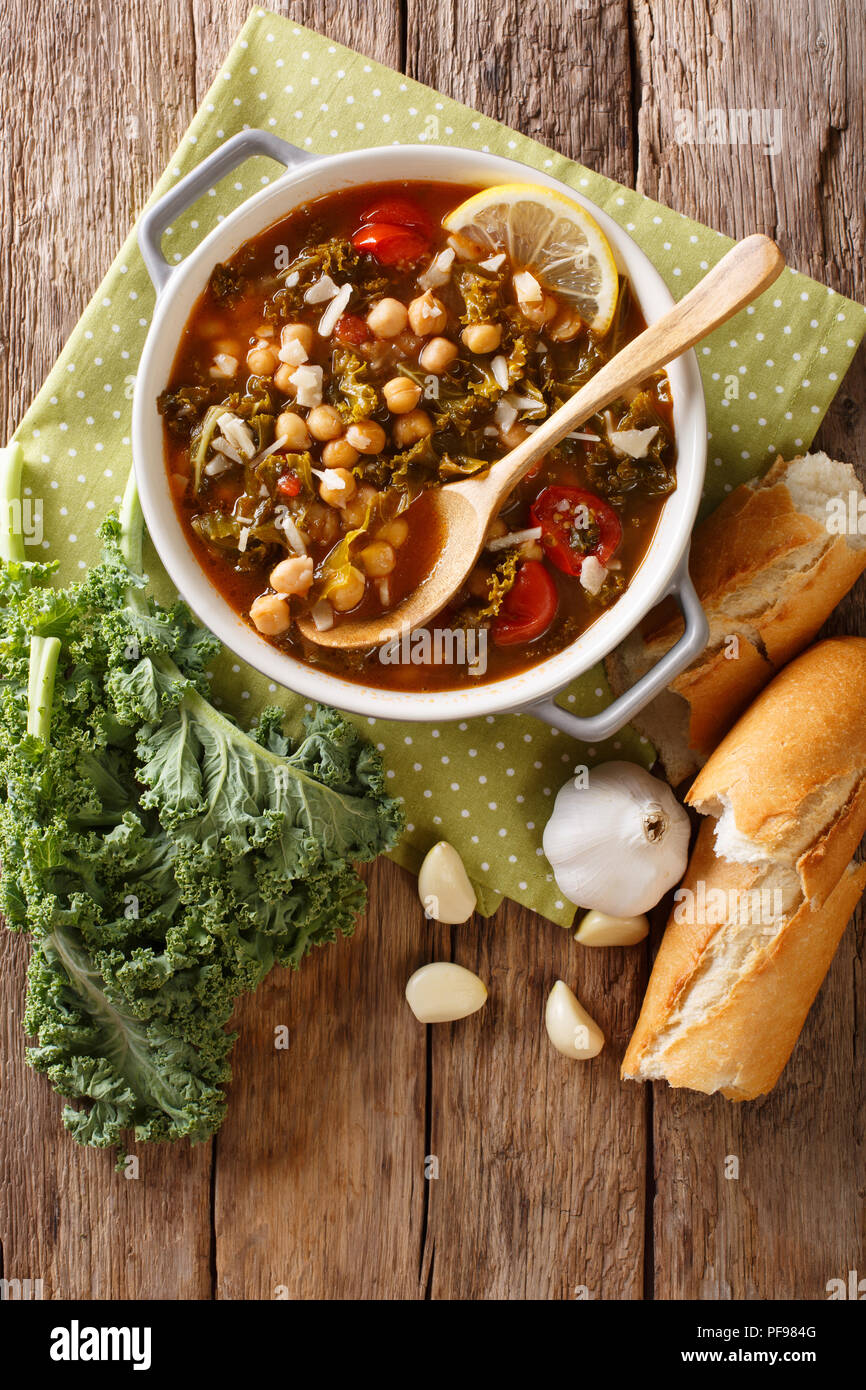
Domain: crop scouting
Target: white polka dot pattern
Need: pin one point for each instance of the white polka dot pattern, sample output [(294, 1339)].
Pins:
[(760, 400)]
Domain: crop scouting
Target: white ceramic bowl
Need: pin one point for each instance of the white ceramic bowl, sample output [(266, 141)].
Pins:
[(662, 571)]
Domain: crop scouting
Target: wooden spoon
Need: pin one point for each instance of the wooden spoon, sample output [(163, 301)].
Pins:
[(462, 511)]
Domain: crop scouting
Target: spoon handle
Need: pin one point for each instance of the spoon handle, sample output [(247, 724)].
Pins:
[(740, 276)]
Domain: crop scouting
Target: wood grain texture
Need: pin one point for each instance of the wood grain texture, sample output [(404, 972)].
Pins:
[(541, 1187), (321, 1183), (794, 1217)]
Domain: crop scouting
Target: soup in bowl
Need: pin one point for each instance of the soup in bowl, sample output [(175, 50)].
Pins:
[(333, 352)]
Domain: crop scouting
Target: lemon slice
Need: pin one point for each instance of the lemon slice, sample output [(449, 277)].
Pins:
[(547, 233)]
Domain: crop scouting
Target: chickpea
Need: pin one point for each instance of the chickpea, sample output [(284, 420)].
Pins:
[(338, 453), (356, 512), (394, 532), (324, 422), (293, 576), (283, 379), (566, 325), (427, 315), (408, 429), (294, 429), (401, 394), (437, 355), (530, 550), (349, 591), (366, 436), (262, 360), (299, 331), (538, 313), (321, 523), (333, 493), (230, 346), (482, 337), (378, 559), (514, 436), (387, 318), (270, 614)]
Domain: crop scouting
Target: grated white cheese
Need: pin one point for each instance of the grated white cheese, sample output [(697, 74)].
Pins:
[(493, 263), (216, 467), (634, 443), (237, 432), (292, 534), (384, 590), (323, 615), (526, 403), (505, 414), (292, 279), (589, 438), (532, 533), (224, 366), (271, 449), (499, 368), (328, 321), (223, 447), (592, 574), (307, 381), (330, 478), (293, 352), (527, 288), (323, 289), (438, 271), (243, 538)]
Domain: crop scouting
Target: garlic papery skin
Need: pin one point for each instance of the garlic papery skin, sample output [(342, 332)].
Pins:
[(443, 886), (617, 839), (599, 929), (442, 992), (569, 1026)]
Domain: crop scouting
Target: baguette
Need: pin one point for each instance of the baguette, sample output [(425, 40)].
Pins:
[(768, 572), (769, 887)]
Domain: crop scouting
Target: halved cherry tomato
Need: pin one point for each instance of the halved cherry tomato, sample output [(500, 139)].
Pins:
[(529, 607), (390, 244), (575, 524), (400, 212), (352, 329), (289, 485)]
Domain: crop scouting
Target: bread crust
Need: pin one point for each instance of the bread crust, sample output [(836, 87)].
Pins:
[(764, 571), (739, 1047), (783, 778)]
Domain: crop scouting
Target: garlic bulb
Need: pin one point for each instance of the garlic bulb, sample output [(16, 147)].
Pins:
[(617, 839)]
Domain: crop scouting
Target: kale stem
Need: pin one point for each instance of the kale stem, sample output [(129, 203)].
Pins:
[(44, 652), (11, 530), (131, 525)]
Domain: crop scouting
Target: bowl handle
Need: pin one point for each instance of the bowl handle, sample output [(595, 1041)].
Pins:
[(596, 727), (246, 145)]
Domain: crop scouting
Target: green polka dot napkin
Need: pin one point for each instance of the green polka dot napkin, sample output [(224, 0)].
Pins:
[(770, 374)]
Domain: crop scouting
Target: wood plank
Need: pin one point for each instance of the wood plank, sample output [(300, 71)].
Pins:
[(536, 67), (794, 1218), (320, 1164), (81, 152), (540, 1191)]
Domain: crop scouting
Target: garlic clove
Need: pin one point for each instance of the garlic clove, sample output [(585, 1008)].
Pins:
[(569, 1026), (442, 991), (600, 929), (443, 886)]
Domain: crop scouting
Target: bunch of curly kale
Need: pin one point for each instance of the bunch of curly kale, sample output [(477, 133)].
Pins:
[(161, 859)]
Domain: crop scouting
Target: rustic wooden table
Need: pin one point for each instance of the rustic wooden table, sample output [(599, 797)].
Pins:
[(553, 1180)]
